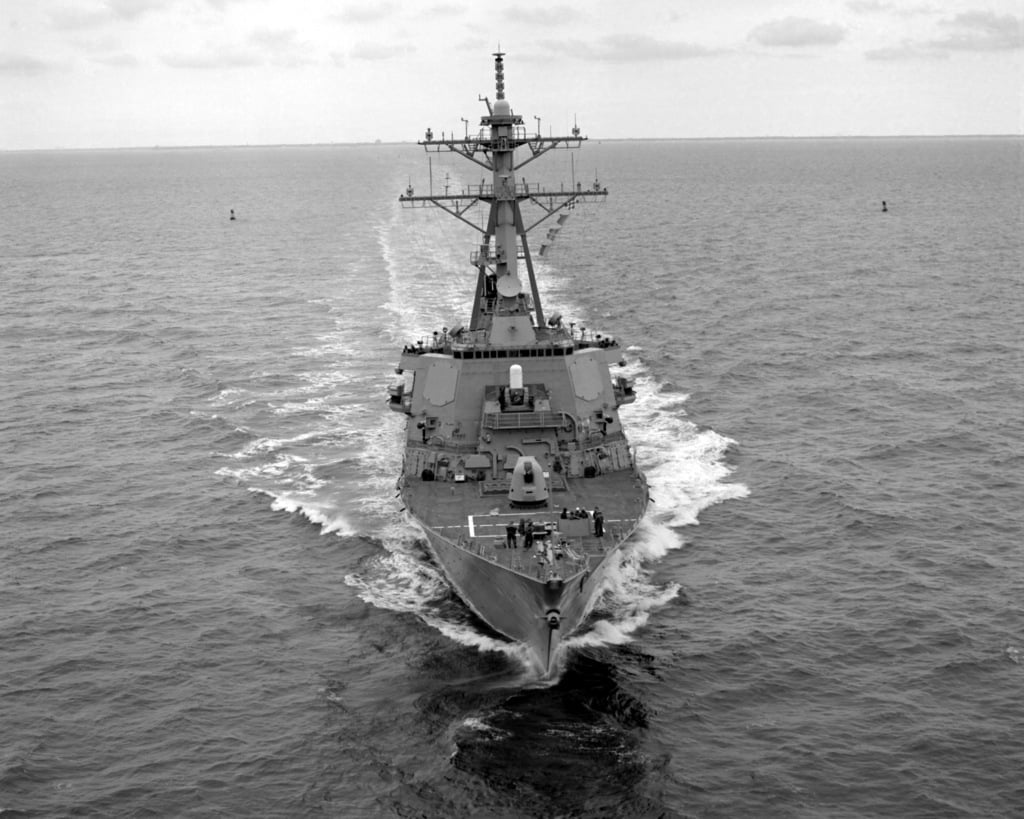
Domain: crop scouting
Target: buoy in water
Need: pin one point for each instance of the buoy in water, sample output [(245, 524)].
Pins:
[(233, 214), (885, 208)]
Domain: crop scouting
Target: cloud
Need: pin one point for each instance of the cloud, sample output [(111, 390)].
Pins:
[(105, 43), (281, 46), (797, 32), (99, 14), (542, 16), (71, 19), (982, 31), (130, 9), (444, 9), (378, 51), (118, 60), (629, 48), (866, 6), (907, 50), (21, 64), (214, 59), (368, 13), (274, 39), (263, 46)]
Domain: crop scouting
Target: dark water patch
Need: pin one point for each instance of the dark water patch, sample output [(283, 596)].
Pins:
[(571, 749), (453, 664), (228, 441)]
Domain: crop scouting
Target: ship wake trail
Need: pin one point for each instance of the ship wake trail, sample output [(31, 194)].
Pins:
[(308, 435), (687, 472), (401, 578), (686, 465), (628, 598), (415, 256)]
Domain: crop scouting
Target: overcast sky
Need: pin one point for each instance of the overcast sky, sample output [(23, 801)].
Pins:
[(111, 73)]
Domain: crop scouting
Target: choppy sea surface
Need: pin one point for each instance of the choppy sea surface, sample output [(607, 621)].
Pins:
[(213, 606)]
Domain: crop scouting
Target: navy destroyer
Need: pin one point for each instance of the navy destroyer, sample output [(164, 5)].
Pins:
[(516, 466)]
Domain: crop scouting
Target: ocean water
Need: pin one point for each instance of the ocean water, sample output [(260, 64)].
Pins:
[(213, 606)]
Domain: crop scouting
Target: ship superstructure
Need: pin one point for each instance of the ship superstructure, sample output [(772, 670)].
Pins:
[(516, 463)]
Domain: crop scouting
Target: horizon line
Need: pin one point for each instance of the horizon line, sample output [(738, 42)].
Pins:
[(385, 143)]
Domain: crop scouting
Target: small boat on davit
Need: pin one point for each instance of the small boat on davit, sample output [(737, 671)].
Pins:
[(516, 465)]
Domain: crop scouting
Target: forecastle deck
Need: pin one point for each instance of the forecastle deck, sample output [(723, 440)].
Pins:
[(467, 514)]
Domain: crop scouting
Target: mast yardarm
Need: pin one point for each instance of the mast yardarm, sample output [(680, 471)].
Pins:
[(515, 207)]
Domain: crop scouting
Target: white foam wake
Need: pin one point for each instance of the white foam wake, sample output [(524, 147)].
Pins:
[(685, 466), (628, 597), (686, 472), (330, 521), (402, 579)]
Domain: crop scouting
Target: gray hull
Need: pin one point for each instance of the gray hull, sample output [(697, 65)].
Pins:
[(520, 606)]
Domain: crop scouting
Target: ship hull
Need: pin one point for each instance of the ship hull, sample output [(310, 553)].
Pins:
[(538, 612)]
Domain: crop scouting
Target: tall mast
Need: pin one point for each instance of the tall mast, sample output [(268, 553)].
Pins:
[(499, 293), (504, 207)]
